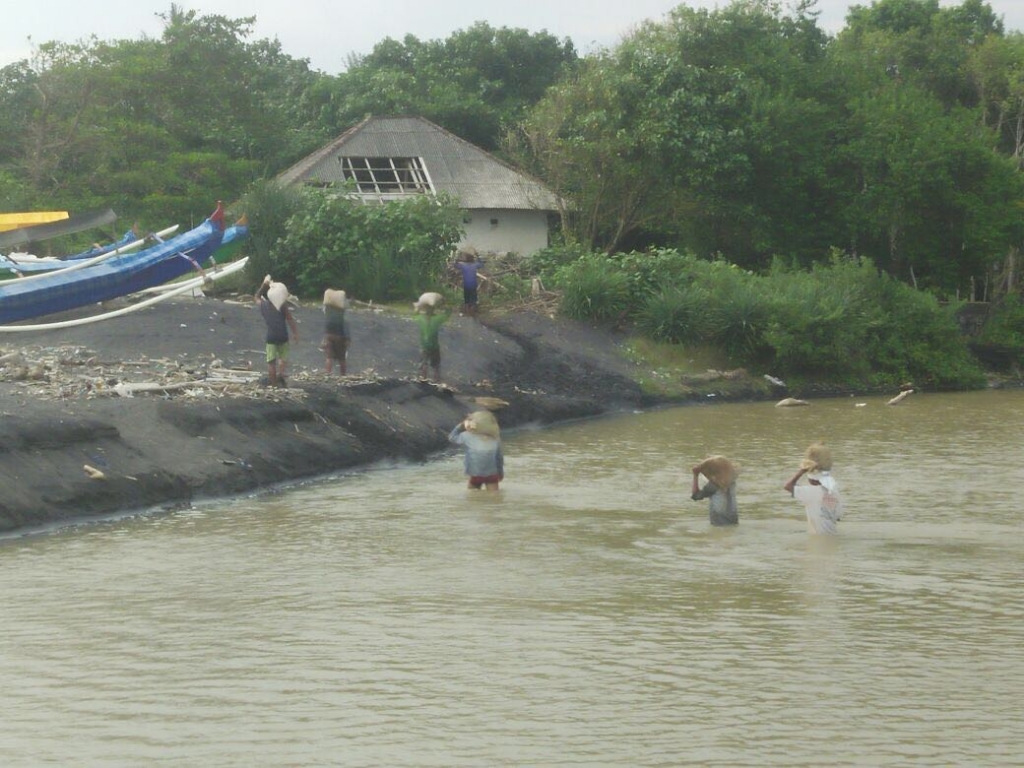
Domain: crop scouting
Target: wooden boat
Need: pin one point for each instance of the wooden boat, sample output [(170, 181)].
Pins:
[(234, 236), (224, 255), (35, 233), (22, 265), (121, 275), (10, 221)]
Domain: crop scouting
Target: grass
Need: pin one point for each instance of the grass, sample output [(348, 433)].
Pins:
[(669, 369)]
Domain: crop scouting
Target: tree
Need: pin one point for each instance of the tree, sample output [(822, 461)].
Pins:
[(929, 97), (475, 83), (585, 138), (157, 129), (662, 140)]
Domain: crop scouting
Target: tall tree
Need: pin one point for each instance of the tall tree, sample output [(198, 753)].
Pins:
[(155, 128), (927, 197), (585, 138), (679, 113), (475, 83)]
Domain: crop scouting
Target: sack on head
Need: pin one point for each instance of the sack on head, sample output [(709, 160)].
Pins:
[(817, 458), (719, 470), (278, 294), (483, 423), (336, 299), (428, 302)]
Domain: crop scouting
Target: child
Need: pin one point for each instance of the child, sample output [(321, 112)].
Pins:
[(481, 437), (430, 321), (821, 500), (272, 299), (720, 489), (468, 265), (336, 333)]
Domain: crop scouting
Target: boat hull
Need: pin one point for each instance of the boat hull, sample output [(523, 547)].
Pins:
[(118, 276)]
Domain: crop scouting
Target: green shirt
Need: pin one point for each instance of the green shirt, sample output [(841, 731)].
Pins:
[(430, 329)]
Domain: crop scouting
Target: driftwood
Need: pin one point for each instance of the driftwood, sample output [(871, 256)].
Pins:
[(790, 402), (127, 389), (232, 376), (60, 373), (490, 403), (901, 397), (93, 473)]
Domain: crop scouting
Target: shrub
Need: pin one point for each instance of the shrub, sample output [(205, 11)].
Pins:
[(914, 338), (268, 206), (841, 321), (742, 309), (847, 321), (820, 319), (592, 291), (381, 252), (678, 315), (1001, 341), (546, 262), (649, 272)]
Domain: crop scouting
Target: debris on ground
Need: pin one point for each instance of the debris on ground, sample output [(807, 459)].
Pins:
[(68, 373)]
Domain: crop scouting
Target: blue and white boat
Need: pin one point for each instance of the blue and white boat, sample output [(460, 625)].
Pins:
[(120, 275)]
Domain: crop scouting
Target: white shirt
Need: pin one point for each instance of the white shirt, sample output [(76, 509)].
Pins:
[(823, 505)]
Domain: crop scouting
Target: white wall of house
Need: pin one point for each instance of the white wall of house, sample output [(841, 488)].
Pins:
[(497, 231)]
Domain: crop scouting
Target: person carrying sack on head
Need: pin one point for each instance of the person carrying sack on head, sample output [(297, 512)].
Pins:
[(720, 489), (336, 334), (820, 497), (272, 300), (430, 317), (480, 436)]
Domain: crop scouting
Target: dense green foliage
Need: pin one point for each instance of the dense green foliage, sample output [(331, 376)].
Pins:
[(841, 321), (1001, 341), (378, 252), (744, 137), (591, 290), (741, 133), (156, 129), (477, 83), (749, 134), (269, 207)]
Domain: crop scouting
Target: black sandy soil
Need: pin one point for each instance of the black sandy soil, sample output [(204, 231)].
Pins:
[(71, 447)]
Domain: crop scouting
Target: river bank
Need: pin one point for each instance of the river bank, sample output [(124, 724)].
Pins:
[(166, 405)]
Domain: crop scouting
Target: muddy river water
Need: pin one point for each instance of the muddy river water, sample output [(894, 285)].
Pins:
[(586, 615)]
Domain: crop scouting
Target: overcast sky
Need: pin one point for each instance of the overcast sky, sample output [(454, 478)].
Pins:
[(326, 31)]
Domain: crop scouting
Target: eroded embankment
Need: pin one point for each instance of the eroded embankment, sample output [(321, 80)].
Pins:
[(116, 455)]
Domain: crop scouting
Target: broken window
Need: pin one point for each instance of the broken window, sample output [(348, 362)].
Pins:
[(387, 175)]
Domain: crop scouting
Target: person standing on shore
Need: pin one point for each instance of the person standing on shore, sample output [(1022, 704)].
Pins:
[(469, 266), (820, 497), (272, 300), (720, 489), (480, 436), (336, 333), (430, 318)]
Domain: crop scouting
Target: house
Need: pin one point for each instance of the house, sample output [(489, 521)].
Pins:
[(393, 157)]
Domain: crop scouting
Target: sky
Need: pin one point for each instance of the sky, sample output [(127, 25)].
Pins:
[(327, 32)]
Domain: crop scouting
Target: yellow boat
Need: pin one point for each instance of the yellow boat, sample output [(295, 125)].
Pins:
[(9, 221)]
